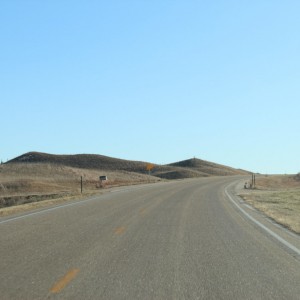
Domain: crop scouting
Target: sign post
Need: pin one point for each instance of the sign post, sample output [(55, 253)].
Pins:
[(102, 178), (149, 168)]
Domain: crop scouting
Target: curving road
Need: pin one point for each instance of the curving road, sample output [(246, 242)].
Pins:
[(178, 240)]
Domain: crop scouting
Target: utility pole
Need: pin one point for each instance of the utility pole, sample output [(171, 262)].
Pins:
[(81, 184)]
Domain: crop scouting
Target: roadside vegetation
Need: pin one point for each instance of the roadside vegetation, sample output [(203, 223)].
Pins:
[(279, 198), (24, 183)]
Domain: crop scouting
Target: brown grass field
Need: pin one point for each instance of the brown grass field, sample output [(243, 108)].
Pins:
[(22, 183), (279, 198)]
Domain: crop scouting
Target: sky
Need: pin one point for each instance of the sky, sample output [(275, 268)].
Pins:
[(153, 80)]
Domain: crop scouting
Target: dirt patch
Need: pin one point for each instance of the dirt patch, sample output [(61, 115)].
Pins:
[(279, 198)]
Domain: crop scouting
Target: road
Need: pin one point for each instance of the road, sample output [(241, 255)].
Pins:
[(178, 240)]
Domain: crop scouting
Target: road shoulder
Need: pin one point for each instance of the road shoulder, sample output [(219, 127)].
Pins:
[(287, 239)]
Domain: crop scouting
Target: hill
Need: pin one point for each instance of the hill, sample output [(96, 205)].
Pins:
[(84, 161), (184, 169), (208, 168)]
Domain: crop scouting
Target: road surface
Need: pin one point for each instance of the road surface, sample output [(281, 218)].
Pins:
[(178, 240)]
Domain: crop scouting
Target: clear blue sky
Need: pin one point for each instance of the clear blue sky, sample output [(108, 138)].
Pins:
[(159, 80)]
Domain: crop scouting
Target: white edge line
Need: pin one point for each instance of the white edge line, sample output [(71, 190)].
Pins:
[(48, 209), (273, 234)]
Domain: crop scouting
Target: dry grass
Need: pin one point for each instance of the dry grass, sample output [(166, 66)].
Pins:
[(22, 183), (185, 169), (206, 168), (4, 211), (279, 198)]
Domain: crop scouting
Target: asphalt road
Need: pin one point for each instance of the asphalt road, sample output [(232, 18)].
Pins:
[(179, 240)]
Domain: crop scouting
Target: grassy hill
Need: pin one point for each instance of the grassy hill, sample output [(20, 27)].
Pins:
[(85, 161), (208, 168), (184, 169)]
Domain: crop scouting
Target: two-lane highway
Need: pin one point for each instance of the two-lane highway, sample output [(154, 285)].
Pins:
[(178, 240)]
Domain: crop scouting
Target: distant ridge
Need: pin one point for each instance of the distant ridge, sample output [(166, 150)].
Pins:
[(86, 161), (183, 169), (208, 167)]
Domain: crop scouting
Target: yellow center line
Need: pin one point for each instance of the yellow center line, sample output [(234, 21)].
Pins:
[(119, 230), (59, 285), (142, 211)]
